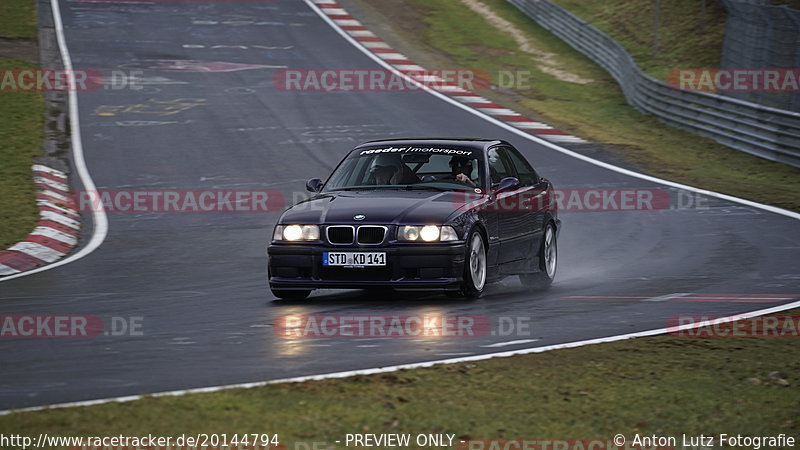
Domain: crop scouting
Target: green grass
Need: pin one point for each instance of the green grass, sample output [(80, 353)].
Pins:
[(658, 385), (18, 19), (447, 34), (687, 39), (21, 122)]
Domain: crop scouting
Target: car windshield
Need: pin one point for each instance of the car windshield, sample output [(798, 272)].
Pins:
[(409, 168)]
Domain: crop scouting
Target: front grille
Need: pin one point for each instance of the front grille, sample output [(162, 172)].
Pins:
[(371, 235), (340, 235)]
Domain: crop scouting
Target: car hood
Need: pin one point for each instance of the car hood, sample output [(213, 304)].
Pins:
[(379, 207)]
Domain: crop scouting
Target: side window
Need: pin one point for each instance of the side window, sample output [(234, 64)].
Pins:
[(499, 165), (527, 176)]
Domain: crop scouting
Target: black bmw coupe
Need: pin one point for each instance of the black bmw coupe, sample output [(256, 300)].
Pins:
[(419, 214)]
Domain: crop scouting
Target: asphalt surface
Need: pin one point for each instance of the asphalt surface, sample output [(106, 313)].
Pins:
[(197, 280)]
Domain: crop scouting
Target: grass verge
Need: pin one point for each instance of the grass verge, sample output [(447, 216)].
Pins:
[(18, 19), (21, 122), (688, 38), (658, 385), (444, 33)]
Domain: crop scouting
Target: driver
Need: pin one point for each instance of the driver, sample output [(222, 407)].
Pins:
[(384, 167), (461, 167)]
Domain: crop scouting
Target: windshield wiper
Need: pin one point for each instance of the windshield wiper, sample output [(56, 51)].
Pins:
[(423, 187), (357, 188)]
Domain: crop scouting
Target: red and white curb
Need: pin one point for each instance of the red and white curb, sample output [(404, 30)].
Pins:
[(347, 23), (56, 233)]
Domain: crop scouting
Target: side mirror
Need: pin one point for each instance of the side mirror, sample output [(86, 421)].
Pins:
[(506, 184), (314, 185)]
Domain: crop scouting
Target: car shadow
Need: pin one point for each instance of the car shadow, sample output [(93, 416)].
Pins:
[(373, 298), (386, 297)]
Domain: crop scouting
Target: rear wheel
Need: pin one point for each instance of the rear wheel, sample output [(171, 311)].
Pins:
[(290, 294), (548, 262), (474, 268)]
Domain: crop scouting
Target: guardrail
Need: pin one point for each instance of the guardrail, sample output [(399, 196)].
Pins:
[(760, 130)]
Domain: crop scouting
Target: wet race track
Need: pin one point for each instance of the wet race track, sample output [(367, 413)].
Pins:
[(209, 116)]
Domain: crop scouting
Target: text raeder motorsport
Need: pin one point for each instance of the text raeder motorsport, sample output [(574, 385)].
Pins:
[(444, 151)]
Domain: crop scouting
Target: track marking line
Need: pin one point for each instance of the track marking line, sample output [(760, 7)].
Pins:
[(663, 298), (733, 300), (504, 344), (687, 297)]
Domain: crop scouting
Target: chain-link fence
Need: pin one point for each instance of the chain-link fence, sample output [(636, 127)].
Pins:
[(761, 36)]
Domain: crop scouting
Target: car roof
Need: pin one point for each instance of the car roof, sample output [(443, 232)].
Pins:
[(470, 143)]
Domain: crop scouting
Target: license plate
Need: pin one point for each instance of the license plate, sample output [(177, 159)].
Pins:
[(354, 259)]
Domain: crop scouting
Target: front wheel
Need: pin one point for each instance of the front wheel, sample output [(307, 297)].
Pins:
[(548, 262), (474, 268)]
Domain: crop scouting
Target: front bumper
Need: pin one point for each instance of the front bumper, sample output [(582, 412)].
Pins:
[(408, 267)]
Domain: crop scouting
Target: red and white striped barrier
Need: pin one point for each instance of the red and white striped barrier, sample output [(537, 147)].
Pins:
[(56, 233)]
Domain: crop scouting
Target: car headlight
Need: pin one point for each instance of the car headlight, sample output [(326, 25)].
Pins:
[(293, 233), (427, 233)]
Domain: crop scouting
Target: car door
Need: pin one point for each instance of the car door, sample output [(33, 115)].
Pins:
[(533, 204), (510, 220)]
